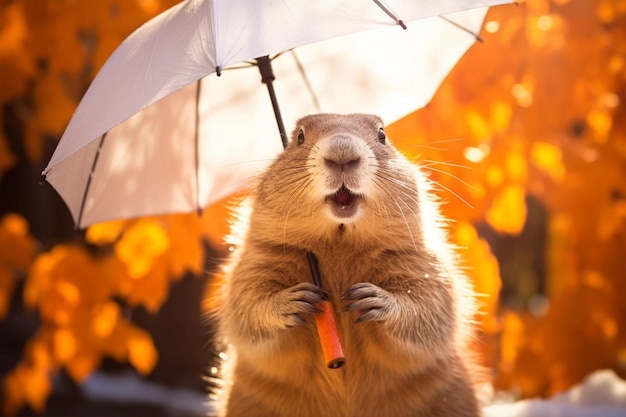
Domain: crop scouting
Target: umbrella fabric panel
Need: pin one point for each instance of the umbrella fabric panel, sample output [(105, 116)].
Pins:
[(165, 54), (248, 29), (238, 134), (146, 164), (388, 72), (188, 42), (70, 177), (239, 137)]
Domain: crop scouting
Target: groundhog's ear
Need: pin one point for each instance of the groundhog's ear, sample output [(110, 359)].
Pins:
[(382, 136), (300, 138)]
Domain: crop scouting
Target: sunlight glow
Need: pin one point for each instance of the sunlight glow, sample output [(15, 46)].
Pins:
[(545, 23), (522, 94), (492, 26), (475, 154)]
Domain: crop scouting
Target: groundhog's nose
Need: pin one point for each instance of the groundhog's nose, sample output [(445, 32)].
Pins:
[(342, 154)]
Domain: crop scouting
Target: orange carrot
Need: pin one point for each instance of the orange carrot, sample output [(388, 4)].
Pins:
[(329, 337), (326, 326)]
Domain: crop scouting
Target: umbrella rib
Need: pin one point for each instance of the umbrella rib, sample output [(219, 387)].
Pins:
[(390, 14), (196, 148), (307, 82), (88, 185), (246, 64), (463, 28)]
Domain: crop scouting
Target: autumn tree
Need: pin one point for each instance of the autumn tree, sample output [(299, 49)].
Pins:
[(540, 109)]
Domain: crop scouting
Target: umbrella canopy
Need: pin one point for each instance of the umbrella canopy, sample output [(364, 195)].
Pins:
[(159, 132)]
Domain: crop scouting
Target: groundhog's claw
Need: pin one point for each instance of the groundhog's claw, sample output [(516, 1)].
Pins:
[(369, 301), (295, 302)]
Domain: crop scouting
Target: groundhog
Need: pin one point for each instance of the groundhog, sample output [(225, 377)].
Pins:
[(341, 191)]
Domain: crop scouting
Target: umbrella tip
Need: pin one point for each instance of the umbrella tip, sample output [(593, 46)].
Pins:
[(218, 71), (42, 179), (390, 14)]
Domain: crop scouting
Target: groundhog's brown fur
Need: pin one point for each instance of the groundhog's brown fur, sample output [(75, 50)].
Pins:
[(403, 307)]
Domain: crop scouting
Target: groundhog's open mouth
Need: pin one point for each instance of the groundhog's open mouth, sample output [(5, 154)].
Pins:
[(343, 202)]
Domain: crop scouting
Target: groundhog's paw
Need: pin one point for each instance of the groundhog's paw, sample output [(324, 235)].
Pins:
[(295, 303), (370, 302)]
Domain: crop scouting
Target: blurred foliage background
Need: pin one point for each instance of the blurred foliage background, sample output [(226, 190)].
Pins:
[(526, 139)]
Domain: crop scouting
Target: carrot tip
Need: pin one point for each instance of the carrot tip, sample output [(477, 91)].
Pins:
[(337, 363)]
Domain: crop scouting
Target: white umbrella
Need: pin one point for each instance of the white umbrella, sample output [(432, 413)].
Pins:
[(158, 132)]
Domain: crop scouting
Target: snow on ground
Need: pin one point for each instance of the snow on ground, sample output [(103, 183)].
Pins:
[(128, 387), (602, 394)]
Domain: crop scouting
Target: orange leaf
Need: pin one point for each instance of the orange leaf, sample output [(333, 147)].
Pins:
[(601, 122), (53, 108), (130, 342), (185, 252), (26, 385), (141, 351), (516, 167), (141, 245), (115, 273), (548, 158), (512, 339), (18, 247), (54, 281), (64, 345), (151, 289), (105, 232), (15, 60), (507, 213), (37, 351), (479, 126), (494, 176), (105, 318), (483, 270), (40, 277), (81, 365)]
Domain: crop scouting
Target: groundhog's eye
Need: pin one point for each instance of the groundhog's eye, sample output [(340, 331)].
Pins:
[(300, 137), (381, 135)]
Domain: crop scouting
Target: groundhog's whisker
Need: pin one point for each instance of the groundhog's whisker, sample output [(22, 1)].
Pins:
[(443, 187), (303, 168), (406, 203), (387, 176), (411, 198), (248, 161), (465, 183), (250, 181), (297, 195), (285, 228), (431, 162), (380, 203), (406, 222), (299, 191), (429, 144), (296, 180)]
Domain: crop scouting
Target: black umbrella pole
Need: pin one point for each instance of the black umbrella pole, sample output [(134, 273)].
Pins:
[(267, 77)]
